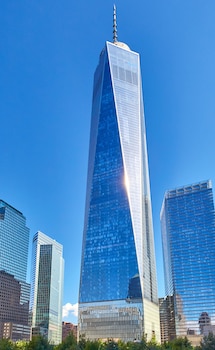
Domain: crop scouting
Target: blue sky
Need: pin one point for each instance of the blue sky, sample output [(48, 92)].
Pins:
[(48, 54)]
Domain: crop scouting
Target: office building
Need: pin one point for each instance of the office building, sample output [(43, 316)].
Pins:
[(13, 311), (167, 319), (47, 288), (15, 291), (67, 329), (188, 234), (14, 240), (118, 287)]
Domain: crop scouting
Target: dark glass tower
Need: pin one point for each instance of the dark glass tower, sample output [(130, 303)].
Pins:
[(14, 240), (118, 288), (188, 232)]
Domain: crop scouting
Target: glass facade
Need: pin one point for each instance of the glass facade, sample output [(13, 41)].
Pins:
[(118, 288), (47, 288), (188, 233), (14, 241)]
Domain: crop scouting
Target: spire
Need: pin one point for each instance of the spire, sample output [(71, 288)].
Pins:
[(114, 24)]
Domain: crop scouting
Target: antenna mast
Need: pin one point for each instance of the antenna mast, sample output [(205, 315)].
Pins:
[(114, 25)]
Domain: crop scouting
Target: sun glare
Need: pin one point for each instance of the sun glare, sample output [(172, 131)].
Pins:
[(126, 182)]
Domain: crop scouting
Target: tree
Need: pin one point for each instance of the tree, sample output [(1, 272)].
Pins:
[(22, 344), (137, 345), (6, 344), (92, 345), (69, 343), (153, 345), (122, 345), (39, 343), (166, 346), (110, 345), (82, 343), (181, 344), (208, 342)]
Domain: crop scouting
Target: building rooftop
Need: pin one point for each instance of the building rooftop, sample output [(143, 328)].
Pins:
[(188, 189)]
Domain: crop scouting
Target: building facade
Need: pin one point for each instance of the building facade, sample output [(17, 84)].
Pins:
[(14, 311), (68, 328), (118, 287), (14, 241), (47, 278), (188, 234), (167, 319)]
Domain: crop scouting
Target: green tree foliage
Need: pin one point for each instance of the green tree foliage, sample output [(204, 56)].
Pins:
[(153, 345), (122, 345), (92, 345), (111, 345), (82, 343), (181, 344), (166, 346), (6, 344), (69, 343), (39, 343), (137, 345), (22, 344), (207, 343)]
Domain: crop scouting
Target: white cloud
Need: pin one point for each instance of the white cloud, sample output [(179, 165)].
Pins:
[(70, 309)]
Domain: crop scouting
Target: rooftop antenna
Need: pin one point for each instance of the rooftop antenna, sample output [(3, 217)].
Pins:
[(114, 25)]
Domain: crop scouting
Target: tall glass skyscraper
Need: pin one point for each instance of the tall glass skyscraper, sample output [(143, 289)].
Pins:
[(47, 288), (118, 288), (14, 240), (188, 233)]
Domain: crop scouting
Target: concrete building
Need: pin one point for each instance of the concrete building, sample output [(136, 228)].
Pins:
[(67, 328)]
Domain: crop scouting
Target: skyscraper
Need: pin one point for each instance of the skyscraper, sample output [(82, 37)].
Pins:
[(47, 288), (167, 319), (188, 233), (118, 288), (14, 240)]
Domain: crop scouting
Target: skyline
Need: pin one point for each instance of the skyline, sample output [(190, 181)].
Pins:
[(46, 94)]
